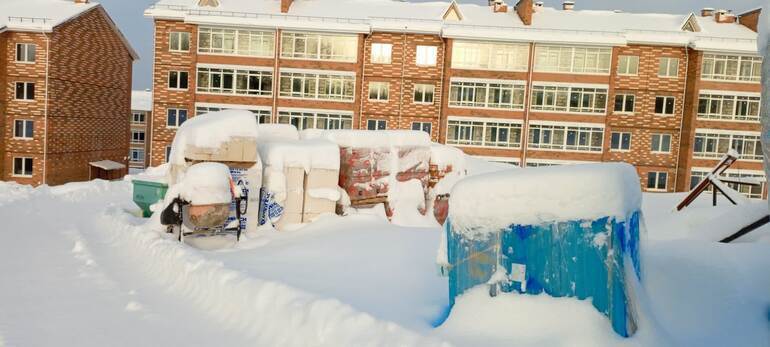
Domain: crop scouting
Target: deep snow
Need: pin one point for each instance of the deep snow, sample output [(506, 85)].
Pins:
[(79, 269)]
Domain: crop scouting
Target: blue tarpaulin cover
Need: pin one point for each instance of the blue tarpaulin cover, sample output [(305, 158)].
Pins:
[(579, 258)]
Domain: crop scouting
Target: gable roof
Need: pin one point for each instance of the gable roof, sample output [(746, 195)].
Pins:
[(45, 15), (453, 9)]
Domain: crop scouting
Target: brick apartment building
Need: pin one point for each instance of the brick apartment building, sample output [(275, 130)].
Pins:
[(526, 84), (141, 112), (65, 72)]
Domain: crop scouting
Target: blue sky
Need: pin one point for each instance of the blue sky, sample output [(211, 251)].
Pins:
[(129, 16)]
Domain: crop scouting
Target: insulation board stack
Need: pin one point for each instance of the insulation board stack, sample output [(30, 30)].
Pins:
[(300, 181)]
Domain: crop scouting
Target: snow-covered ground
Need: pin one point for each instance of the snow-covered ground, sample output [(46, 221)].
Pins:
[(78, 268)]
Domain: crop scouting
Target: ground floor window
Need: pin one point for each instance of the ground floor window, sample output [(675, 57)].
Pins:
[(22, 167), (175, 117), (657, 181), (376, 124), (751, 192), (137, 155), (424, 126), (23, 129), (325, 120)]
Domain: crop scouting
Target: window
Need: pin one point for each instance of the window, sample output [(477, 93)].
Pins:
[(423, 93), (657, 181), (628, 65), (137, 155), (23, 129), (316, 46), (376, 124), (179, 42), (244, 42), (22, 167), (422, 126), (490, 56), (316, 119), (503, 95), (381, 53), (714, 145), (664, 105), (484, 133), (569, 99), (25, 52), (263, 116), (669, 67), (573, 59), (624, 103), (235, 81), (168, 153), (566, 137), (317, 86), (379, 91), (426, 55), (722, 67), (177, 79), (660, 143), (137, 136), (25, 91), (751, 192), (137, 118), (620, 141), (175, 117), (729, 107)]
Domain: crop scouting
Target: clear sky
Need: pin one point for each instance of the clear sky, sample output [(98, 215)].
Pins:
[(129, 16)]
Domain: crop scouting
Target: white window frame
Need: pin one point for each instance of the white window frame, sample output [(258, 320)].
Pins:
[(377, 123), (205, 80), (625, 97), (490, 56), (141, 114), (463, 94), (709, 73), (379, 91), (24, 167), (336, 42), (258, 43), (668, 67), (180, 38), (264, 115), (340, 87), (565, 59), (751, 192), (134, 136), (137, 160), (545, 132), (422, 126), (382, 53), (660, 142), (624, 137), (424, 90), (26, 125), (22, 55), (178, 80), (732, 137), (657, 181), (426, 55), (315, 119), (724, 112), (466, 129), (26, 91), (665, 102), (554, 91), (628, 65), (176, 117)]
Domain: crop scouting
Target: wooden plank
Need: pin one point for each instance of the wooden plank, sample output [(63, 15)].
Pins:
[(747, 229)]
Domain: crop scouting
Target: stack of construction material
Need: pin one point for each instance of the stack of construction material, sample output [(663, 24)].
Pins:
[(447, 166), (372, 161), (227, 137), (300, 181)]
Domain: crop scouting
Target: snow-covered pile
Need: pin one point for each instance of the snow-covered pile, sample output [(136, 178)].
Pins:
[(307, 154), (277, 132), (211, 130), (451, 162), (372, 139), (204, 184), (487, 203)]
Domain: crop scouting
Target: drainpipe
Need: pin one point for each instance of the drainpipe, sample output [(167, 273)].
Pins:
[(363, 96), (681, 121), (276, 75), (45, 107), (527, 104), (149, 122), (443, 87), (401, 90)]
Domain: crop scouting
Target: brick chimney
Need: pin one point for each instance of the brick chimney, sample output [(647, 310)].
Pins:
[(524, 9), (707, 12), (724, 16), (568, 5), (285, 4), (750, 19), (498, 6)]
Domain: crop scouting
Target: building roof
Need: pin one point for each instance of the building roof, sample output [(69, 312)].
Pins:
[(141, 100), (478, 22), (45, 15)]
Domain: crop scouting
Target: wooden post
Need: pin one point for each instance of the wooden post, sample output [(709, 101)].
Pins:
[(714, 190)]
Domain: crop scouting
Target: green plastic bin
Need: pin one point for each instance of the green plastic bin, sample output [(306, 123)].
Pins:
[(147, 193)]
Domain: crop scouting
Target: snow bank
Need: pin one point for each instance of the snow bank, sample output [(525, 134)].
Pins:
[(211, 130), (277, 132), (450, 160), (372, 139), (204, 184), (407, 201), (490, 202), (307, 154)]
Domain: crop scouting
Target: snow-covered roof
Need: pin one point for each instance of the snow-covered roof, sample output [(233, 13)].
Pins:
[(45, 15), (108, 165), (478, 22), (141, 100)]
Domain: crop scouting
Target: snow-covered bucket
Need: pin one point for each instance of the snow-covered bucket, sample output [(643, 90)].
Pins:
[(560, 231)]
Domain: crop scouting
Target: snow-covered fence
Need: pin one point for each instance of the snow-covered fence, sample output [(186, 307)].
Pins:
[(560, 231)]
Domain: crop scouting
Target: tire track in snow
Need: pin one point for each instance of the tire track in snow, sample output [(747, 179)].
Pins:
[(269, 312)]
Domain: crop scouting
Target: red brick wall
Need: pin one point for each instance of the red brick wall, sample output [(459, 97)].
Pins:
[(89, 96)]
